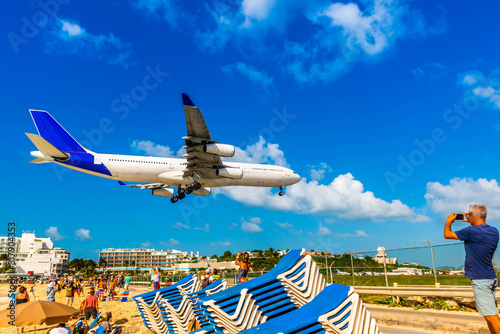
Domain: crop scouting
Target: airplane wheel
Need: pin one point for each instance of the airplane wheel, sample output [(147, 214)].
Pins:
[(281, 193), (197, 186), (180, 190), (174, 199), (188, 190), (181, 195)]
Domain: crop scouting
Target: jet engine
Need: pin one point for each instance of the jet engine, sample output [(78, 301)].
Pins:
[(205, 191), (163, 192), (222, 150), (230, 173)]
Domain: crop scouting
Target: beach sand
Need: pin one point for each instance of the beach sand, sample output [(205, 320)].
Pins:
[(124, 314)]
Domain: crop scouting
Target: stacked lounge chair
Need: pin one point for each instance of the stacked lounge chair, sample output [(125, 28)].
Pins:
[(336, 310), (148, 303), (291, 298), (294, 282), (182, 310)]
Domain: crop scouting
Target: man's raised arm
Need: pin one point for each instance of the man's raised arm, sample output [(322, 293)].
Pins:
[(448, 233)]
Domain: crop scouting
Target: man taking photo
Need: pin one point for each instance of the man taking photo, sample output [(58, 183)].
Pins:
[(480, 242)]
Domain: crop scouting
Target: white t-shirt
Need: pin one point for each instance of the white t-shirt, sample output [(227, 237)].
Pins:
[(59, 330)]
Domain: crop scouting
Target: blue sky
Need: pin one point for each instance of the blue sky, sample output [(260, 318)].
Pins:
[(389, 110)]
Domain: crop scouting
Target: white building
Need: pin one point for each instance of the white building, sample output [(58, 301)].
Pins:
[(37, 255), (381, 255)]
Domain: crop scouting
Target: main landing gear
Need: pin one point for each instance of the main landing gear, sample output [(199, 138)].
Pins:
[(281, 193), (182, 192)]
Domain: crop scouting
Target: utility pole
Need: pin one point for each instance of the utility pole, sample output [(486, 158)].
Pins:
[(433, 264), (352, 266), (385, 268)]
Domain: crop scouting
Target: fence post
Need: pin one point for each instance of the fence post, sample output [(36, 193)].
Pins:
[(385, 269), (352, 266), (326, 268), (433, 264)]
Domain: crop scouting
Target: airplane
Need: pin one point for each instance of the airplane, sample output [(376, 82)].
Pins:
[(200, 169)]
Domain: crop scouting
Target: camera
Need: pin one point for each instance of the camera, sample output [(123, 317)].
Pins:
[(460, 216)]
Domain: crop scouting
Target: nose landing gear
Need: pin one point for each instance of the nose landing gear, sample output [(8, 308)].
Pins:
[(281, 193)]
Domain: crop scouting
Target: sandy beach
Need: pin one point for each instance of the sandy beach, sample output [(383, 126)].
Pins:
[(124, 314)]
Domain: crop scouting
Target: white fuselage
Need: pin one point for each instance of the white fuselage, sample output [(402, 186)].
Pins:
[(169, 171)]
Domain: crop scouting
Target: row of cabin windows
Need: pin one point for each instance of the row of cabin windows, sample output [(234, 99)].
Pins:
[(268, 169), (145, 162)]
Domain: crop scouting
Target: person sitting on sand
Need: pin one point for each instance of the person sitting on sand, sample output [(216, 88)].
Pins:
[(90, 306), (244, 267), (22, 296)]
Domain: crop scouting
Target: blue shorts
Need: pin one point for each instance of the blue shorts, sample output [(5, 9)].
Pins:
[(484, 294)]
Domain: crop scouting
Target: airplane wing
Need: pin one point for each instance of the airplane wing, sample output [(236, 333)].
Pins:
[(144, 185), (199, 163)]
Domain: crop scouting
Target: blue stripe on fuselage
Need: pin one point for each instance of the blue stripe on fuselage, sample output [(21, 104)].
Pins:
[(85, 161)]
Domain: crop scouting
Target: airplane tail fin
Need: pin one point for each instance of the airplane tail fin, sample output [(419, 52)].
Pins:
[(53, 134)]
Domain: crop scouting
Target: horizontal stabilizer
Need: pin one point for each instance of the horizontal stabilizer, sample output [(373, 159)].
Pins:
[(38, 161), (47, 148)]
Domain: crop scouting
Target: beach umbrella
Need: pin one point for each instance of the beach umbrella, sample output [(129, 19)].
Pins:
[(37, 313)]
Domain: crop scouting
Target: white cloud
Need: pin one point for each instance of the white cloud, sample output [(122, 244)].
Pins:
[(150, 148), (484, 92), (370, 32), (431, 71), (221, 243), (484, 86), (469, 79), (83, 234), (342, 235), (72, 29), (311, 244), (205, 228), (181, 226), (284, 225), (146, 244), (256, 77), (362, 234), (170, 243), (53, 233), (232, 226), (261, 152), (256, 10), (318, 172), (67, 37), (460, 193), (287, 226), (252, 225), (323, 231), (344, 197)]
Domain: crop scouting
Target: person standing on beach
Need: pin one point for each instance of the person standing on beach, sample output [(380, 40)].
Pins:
[(155, 278), (51, 292), (206, 278), (127, 283), (32, 291), (216, 275), (70, 294), (480, 242), (91, 306), (244, 267)]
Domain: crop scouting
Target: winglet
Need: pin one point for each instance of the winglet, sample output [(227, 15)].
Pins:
[(186, 100), (121, 183)]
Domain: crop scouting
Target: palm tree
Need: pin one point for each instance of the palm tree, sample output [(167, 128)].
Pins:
[(126, 263), (132, 263)]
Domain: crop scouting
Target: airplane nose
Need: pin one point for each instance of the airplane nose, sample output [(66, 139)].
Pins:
[(295, 177)]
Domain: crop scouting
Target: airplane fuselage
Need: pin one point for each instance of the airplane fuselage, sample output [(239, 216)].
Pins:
[(131, 168)]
